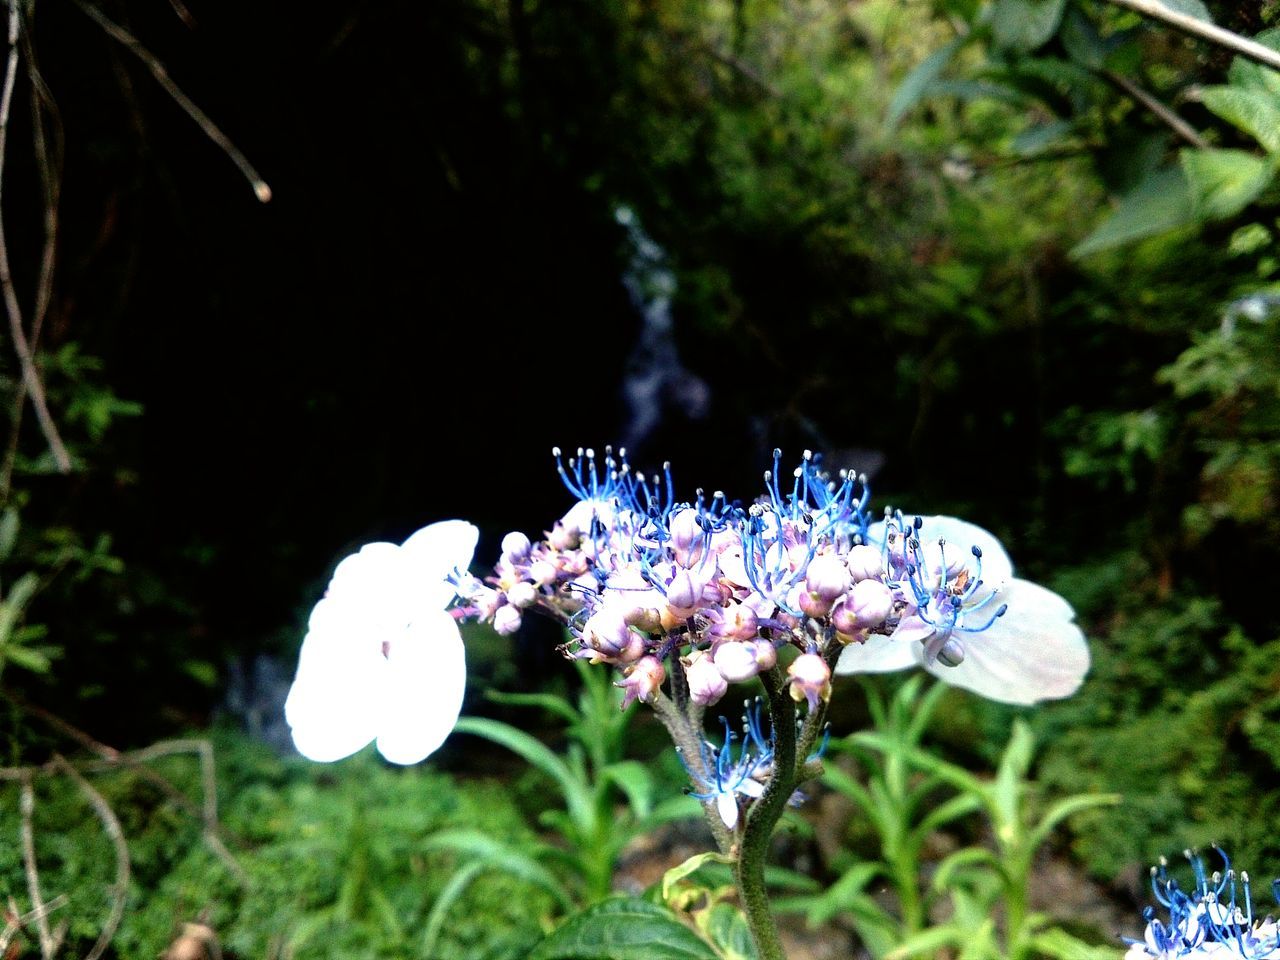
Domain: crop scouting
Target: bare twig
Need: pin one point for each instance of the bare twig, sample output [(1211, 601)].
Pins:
[(30, 376), (27, 805), (15, 921), (152, 63), (215, 835), (1163, 113), (1204, 30), (111, 824)]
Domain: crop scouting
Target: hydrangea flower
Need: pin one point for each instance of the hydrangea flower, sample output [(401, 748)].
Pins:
[(1214, 919), (726, 778), (967, 619), (383, 659)]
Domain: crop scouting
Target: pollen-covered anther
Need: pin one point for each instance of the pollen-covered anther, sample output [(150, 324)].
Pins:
[(810, 679)]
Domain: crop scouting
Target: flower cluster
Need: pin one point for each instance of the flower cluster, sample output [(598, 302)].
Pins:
[(1213, 919), (711, 587), (639, 576)]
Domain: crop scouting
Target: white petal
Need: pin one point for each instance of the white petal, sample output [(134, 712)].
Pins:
[(727, 805), (879, 654), (422, 696), (333, 706), (379, 583), (997, 568), (1034, 652), (438, 548)]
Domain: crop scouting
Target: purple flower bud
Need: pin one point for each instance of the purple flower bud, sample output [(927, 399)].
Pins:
[(523, 595), (684, 529), (735, 660), (826, 578), (642, 680), (865, 607), (810, 679), (543, 572), (706, 683), (683, 594), (515, 546), (812, 605), (864, 563), (736, 622), (607, 633), (506, 620)]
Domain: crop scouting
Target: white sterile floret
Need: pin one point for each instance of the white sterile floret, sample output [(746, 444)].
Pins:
[(969, 621), (382, 660)]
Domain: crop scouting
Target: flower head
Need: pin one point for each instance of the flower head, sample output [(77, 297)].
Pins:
[(1212, 919), (382, 659)]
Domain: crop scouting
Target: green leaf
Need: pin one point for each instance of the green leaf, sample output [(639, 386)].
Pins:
[(1192, 8), (8, 531), (1024, 25), (452, 892), (917, 83), (1254, 76), (1010, 776), (1063, 946), (928, 942), (1065, 808), (1224, 182), (623, 928), (546, 701), (576, 796), (1253, 111), (728, 930), (679, 872), (1082, 41), (1161, 202), (485, 850), (633, 779)]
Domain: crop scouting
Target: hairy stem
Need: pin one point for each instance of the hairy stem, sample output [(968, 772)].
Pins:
[(764, 816)]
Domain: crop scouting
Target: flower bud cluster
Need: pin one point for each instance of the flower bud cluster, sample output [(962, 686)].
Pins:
[(717, 589)]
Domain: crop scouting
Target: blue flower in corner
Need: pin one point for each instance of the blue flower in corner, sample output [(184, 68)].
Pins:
[(1213, 919)]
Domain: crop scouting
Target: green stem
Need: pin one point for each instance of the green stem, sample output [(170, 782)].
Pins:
[(689, 741), (764, 816)]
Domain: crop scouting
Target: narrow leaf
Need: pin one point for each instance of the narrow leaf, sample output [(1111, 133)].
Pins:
[(1161, 202), (918, 82), (1224, 182)]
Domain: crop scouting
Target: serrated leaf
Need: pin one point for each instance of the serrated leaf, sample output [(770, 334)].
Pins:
[(1255, 112), (1224, 182), (1254, 76), (1161, 202), (917, 83), (623, 928), (1025, 25)]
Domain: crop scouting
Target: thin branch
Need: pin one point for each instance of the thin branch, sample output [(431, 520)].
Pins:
[(30, 376), (111, 824), (1163, 113), (132, 44), (27, 805), (215, 834), (1204, 30), (15, 921)]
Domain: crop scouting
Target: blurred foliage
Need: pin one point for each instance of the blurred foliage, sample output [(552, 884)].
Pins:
[(337, 860), (905, 799), (949, 235)]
